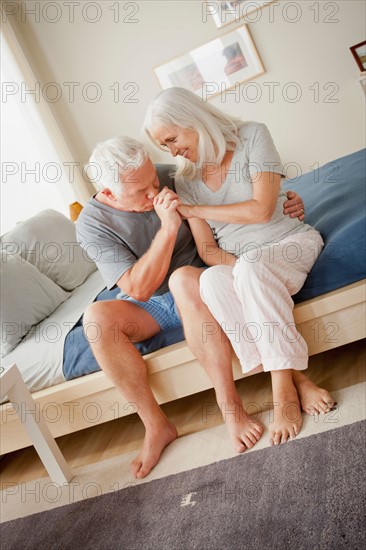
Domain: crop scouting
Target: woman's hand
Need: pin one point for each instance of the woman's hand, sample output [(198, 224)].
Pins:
[(294, 206), (185, 211)]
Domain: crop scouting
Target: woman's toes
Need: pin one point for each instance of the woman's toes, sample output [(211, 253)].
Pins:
[(276, 438), (328, 406), (314, 410), (293, 432)]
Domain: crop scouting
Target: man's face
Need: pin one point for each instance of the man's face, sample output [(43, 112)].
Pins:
[(140, 186)]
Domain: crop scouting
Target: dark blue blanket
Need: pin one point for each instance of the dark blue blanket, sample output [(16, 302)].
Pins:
[(334, 198)]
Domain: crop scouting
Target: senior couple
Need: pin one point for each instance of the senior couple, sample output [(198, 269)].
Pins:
[(211, 245)]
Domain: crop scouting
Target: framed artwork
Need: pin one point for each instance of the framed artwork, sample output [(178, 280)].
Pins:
[(218, 65), (359, 53), (224, 13)]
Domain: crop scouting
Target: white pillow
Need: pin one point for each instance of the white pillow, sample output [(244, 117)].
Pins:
[(48, 241), (27, 297)]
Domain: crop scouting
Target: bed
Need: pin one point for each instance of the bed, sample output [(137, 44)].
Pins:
[(41, 258)]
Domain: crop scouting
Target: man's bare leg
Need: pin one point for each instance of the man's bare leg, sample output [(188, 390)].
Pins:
[(120, 322), (287, 418), (313, 400), (214, 355)]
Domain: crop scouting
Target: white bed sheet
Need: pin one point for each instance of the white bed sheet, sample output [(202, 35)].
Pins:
[(39, 356)]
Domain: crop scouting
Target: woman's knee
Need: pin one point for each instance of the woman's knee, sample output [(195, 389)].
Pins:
[(214, 279), (247, 268)]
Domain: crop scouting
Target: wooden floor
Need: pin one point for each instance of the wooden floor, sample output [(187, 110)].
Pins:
[(335, 369)]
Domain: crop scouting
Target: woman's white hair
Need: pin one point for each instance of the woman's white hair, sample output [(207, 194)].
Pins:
[(217, 131), (110, 158)]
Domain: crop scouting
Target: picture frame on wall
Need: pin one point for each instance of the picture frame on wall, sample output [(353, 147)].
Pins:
[(224, 13), (359, 53), (362, 82), (217, 65)]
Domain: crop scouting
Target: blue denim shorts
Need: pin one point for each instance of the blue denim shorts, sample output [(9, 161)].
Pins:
[(162, 308)]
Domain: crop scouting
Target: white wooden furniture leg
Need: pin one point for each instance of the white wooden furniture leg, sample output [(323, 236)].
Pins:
[(12, 385)]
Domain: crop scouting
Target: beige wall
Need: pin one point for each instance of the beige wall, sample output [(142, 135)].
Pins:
[(105, 52)]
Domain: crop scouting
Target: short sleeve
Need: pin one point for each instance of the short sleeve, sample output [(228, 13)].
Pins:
[(184, 190), (112, 258), (262, 153)]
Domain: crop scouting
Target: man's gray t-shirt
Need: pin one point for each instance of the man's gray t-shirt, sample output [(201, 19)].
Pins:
[(256, 153), (116, 240)]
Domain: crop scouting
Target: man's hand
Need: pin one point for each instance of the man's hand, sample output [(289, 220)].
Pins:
[(165, 204), (294, 206)]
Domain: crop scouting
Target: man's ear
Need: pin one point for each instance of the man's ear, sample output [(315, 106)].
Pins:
[(108, 194)]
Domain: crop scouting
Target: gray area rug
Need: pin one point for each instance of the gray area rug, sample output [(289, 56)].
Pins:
[(307, 494)]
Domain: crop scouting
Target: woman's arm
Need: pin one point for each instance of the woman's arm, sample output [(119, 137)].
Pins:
[(259, 209), (207, 247)]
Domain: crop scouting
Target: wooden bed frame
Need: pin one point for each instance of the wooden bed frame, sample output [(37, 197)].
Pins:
[(326, 322)]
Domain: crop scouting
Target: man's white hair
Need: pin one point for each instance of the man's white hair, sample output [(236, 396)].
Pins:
[(111, 157), (217, 131)]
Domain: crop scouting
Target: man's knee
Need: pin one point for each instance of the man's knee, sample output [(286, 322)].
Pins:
[(98, 312), (184, 280)]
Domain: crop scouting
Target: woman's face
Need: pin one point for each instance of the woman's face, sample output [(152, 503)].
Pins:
[(179, 141)]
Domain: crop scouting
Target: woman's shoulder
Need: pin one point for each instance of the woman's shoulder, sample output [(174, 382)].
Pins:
[(249, 128), (182, 184)]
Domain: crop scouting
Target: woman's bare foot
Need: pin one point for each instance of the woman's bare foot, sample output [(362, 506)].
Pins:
[(153, 446), (243, 430), (314, 400), (287, 419)]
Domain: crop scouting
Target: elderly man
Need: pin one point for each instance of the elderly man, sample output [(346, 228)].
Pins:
[(140, 239)]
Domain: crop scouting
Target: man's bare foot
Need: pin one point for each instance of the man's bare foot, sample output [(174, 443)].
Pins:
[(314, 400), (287, 419), (153, 446), (243, 430)]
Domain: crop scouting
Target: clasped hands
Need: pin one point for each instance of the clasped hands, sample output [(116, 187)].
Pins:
[(167, 204)]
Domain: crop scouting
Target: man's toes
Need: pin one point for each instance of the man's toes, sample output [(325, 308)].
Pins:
[(253, 435), (257, 431), (143, 472), (240, 447), (247, 441), (135, 467)]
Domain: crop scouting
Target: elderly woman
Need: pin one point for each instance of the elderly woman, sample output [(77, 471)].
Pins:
[(229, 183)]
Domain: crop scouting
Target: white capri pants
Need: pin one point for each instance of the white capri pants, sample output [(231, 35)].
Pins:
[(252, 301)]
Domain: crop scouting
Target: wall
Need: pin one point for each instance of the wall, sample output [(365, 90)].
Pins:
[(294, 48)]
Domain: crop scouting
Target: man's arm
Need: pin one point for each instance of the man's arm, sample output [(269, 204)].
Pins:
[(148, 273)]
